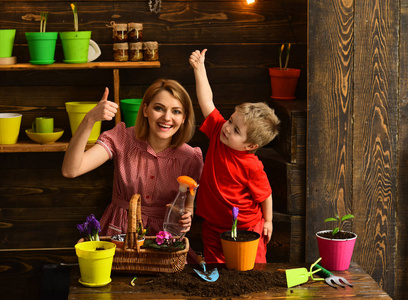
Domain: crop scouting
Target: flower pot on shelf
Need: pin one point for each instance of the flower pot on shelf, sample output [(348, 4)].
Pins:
[(41, 46), (95, 260), (7, 42), (9, 128), (335, 253), (284, 83), (76, 113), (240, 254), (75, 45), (130, 109)]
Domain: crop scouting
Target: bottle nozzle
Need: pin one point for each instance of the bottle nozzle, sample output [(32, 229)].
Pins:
[(187, 182)]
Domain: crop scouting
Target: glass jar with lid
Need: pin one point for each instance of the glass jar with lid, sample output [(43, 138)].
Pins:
[(135, 32), (136, 51), (119, 33), (120, 52), (151, 51)]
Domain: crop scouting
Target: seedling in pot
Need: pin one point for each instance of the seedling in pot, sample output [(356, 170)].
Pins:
[(281, 50), (340, 222), (75, 12), (43, 21)]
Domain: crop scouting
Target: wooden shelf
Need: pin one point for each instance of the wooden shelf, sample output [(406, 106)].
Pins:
[(90, 65), (27, 146)]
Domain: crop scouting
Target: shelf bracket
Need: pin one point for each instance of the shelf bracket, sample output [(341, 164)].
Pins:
[(116, 86)]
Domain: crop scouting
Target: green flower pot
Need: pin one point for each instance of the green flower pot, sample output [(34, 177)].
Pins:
[(41, 46), (6, 42), (130, 108), (75, 45)]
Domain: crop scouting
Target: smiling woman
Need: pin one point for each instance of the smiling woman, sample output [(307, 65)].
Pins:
[(148, 157)]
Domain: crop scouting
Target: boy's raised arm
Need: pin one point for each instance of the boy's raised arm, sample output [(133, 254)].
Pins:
[(203, 88)]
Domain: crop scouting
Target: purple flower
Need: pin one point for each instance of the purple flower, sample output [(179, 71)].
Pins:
[(81, 229), (90, 228), (93, 224), (235, 211)]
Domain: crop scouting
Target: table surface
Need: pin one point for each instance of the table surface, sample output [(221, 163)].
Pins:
[(120, 288)]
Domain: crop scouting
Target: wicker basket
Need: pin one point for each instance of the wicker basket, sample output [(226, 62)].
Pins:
[(133, 259), (149, 261)]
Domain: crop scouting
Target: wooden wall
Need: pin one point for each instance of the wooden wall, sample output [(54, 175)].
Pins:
[(357, 158), (39, 208), (357, 74)]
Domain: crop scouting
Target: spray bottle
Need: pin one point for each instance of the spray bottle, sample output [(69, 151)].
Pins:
[(177, 208)]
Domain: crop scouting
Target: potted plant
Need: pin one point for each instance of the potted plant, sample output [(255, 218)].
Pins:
[(165, 242), (95, 257), (336, 245), (239, 246), (75, 44), (283, 79), (119, 239), (41, 45)]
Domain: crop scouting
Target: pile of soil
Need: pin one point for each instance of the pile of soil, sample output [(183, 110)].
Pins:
[(230, 283)]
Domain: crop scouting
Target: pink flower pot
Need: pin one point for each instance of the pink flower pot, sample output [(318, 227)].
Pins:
[(336, 254)]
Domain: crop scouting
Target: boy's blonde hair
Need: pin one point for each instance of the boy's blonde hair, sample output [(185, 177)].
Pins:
[(186, 130), (261, 121)]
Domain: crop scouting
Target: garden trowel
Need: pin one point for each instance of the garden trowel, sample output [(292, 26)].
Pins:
[(211, 275), (300, 275)]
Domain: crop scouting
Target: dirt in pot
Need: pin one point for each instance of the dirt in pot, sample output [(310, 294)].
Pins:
[(341, 235), (242, 236), (230, 283)]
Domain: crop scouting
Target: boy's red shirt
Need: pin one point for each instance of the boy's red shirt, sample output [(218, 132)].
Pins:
[(230, 178)]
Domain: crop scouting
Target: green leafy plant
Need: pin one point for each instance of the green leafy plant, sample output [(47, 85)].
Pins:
[(43, 21), (141, 233), (340, 221), (75, 12), (281, 50)]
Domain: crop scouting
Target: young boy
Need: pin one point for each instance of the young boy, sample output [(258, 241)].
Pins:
[(233, 176)]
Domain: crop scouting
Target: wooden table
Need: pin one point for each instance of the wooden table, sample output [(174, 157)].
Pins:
[(120, 288)]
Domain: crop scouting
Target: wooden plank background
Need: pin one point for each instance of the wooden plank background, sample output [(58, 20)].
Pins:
[(356, 107), (356, 159), (39, 208), (401, 275)]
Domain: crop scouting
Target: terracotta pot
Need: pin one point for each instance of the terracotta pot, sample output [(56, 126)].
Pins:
[(335, 253), (240, 254), (119, 240), (284, 83)]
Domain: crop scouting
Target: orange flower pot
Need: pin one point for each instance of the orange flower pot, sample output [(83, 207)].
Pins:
[(240, 254), (284, 83)]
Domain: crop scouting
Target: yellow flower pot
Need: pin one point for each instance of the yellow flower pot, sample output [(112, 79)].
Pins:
[(9, 128), (95, 262), (240, 254), (76, 113)]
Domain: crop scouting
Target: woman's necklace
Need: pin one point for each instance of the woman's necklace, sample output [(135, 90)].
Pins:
[(155, 7)]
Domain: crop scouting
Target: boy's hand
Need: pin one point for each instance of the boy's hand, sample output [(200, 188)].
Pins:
[(196, 58), (267, 230)]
